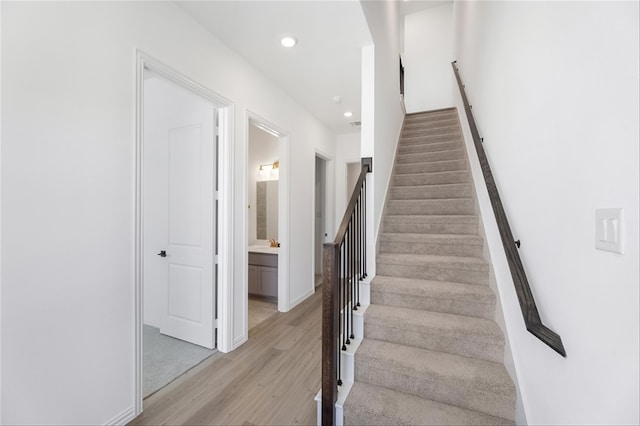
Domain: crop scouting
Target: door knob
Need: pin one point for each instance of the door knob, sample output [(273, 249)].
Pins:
[(162, 253)]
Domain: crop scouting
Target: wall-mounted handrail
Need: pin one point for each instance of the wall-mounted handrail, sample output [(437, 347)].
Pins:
[(525, 297), (344, 265)]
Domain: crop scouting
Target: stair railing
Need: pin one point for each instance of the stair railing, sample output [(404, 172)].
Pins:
[(344, 265), (525, 297)]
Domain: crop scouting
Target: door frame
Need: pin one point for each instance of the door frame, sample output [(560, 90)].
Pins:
[(329, 215), (223, 292), (284, 304)]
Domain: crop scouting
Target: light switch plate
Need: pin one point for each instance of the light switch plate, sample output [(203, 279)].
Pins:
[(610, 230)]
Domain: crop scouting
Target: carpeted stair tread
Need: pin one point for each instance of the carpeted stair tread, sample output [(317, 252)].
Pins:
[(449, 262), (432, 206), (431, 178), (425, 157), (431, 224), (437, 331), (438, 244), (369, 404), (433, 289), (469, 383), (463, 269), (424, 148), (470, 300), (432, 167), (435, 191)]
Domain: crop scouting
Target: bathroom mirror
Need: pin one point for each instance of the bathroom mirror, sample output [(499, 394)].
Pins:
[(267, 210)]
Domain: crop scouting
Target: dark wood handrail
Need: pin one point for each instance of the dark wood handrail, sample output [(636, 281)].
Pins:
[(525, 297), (344, 265)]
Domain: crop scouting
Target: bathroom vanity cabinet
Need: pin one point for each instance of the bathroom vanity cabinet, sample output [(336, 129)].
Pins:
[(263, 275)]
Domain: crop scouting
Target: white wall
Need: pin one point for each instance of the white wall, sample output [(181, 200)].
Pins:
[(347, 151), (68, 180), (554, 88), (382, 111), (428, 52), (263, 149)]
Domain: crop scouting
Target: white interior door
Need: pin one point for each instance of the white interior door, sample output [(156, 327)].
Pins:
[(179, 212)]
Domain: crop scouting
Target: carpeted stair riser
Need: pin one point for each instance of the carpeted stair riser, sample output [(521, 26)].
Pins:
[(471, 300), (375, 405), (432, 167), (431, 192), (466, 270), (427, 244), (426, 140), (429, 131), (425, 207), (435, 178), (427, 147), (466, 382), (442, 332), (435, 116), (448, 224), (450, 154), (441, 122), (458, 307)]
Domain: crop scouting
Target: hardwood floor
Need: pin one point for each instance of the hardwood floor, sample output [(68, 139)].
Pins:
[(260, 310), (271, 379)]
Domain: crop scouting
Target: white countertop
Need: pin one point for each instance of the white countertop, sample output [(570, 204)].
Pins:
[(263, 249)]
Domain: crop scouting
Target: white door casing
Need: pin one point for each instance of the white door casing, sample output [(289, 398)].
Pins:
[(179, 168)]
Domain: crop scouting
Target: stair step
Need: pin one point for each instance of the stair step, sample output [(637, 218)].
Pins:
[(431, 116), (431, 130), (429, 139), (420, 192), (438, 296), (445, 121), (432, 178), (467, 270), (436, 331), (428, 147), (431, 224), (425, 157), (369, 404), (431, 167), (437, 206), (451, 379), (437, 244)]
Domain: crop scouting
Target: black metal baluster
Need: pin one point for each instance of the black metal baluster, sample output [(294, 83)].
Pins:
[(364, 192)]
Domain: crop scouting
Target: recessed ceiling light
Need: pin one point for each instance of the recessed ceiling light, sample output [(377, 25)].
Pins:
[(289, 41), (348, 114), (337, 100)]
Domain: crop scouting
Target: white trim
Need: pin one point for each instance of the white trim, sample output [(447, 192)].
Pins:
[(225, 218), (123, 418), (0, 220)]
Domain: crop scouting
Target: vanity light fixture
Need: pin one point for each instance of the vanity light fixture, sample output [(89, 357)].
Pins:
[(269, 171), (289, 41)]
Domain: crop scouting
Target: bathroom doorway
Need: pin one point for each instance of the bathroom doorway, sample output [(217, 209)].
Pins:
[(265, 285)]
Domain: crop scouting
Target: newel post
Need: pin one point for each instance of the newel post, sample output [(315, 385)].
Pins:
[(330, 319)]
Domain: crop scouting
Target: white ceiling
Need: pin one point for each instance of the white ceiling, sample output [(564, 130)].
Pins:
[(325, 63), (412, 6)]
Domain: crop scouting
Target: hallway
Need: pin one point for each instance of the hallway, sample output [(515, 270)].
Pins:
[(271, 379)]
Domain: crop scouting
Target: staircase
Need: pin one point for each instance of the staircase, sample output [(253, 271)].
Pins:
[(431, 353)]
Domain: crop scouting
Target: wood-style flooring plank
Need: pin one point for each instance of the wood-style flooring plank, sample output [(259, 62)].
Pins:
[(270, 380)]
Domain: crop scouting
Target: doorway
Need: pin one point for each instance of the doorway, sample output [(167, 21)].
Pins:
[(321, 234), (263, 243), (182, 200), (180, 220)]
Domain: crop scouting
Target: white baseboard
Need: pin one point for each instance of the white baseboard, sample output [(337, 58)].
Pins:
[(123, 418)]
